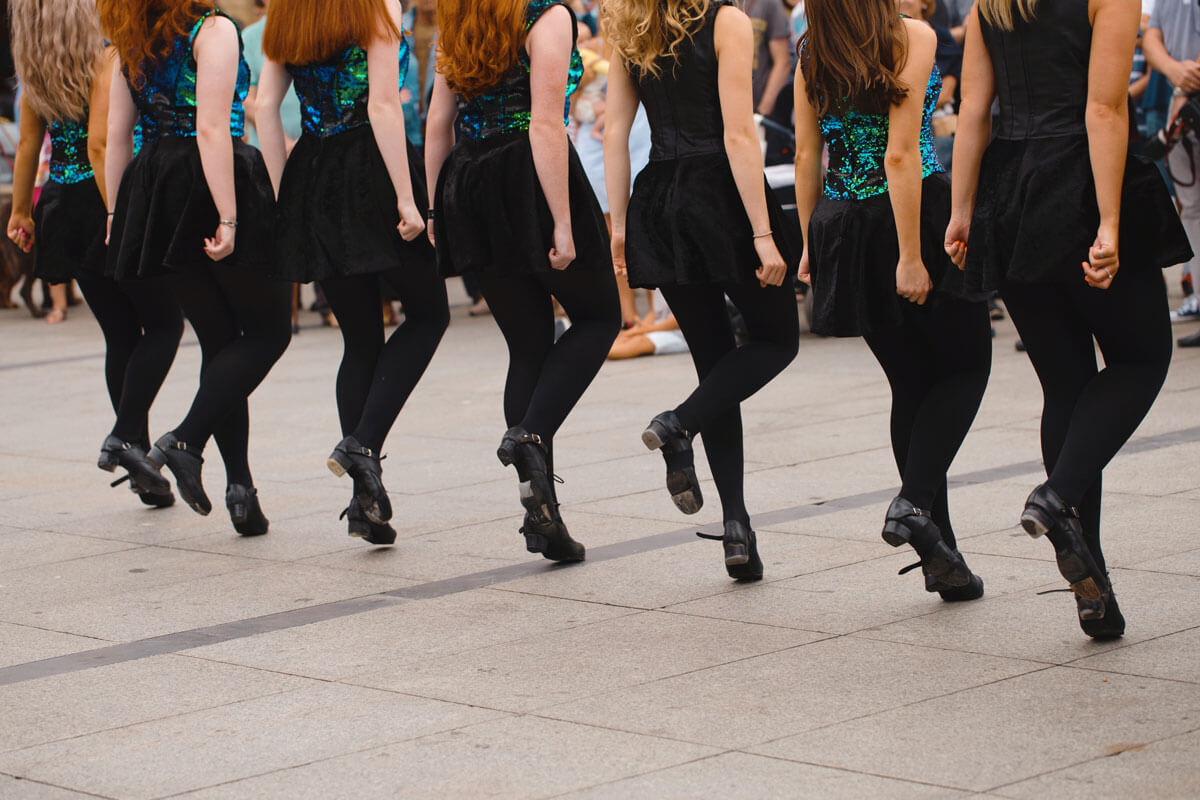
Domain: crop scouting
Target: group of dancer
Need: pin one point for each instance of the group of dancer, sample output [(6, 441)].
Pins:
[(1051, 213)]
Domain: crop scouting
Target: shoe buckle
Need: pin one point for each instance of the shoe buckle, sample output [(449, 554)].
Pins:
[(126, 446)]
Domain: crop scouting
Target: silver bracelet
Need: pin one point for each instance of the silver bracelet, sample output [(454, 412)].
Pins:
[(229, 223)]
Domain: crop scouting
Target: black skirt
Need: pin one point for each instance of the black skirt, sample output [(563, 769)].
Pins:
[(1036, 215), (337, 213), (165, 211), (69, 223), (853, 252), (492, 217), (687, 225)]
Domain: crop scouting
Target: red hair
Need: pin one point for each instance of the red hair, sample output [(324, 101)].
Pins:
[(314, 31), (144, 31), (478, 41)]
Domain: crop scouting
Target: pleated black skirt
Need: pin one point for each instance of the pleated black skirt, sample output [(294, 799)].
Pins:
[(492, 217), (165, 211), (337, 213), (687, 225), (69, 222), (853, 252), (1036, 215)]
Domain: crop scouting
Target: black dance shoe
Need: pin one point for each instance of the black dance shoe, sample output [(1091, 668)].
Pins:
[(185, 463), (144, 475), (551, 538), (907, 524), (358, 526), (741, 551), (526, 451), (951, 594), (1102, 620), (667, 434), (244, 511), (363, 465), (1047, 514)]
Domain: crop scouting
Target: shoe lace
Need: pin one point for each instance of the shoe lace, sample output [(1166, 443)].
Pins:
[(909, 568)]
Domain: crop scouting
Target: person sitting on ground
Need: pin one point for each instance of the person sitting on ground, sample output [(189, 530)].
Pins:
[(656, 335)]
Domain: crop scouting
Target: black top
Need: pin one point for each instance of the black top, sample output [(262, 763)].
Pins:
[(1041, 70), (683, 104)]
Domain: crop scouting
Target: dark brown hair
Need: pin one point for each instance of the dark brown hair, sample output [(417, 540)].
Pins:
[(851, 55)]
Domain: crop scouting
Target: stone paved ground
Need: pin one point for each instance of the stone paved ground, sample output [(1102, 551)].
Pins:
[(155, 654)]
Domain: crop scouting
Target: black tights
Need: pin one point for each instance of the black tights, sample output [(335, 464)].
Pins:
[(1089, 414), (376, 377), (729, 374), (937, 363), (547, 378), (142, 325), (243, 322)]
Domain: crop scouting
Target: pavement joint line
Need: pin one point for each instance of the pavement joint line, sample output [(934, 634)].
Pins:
[(172, 643)]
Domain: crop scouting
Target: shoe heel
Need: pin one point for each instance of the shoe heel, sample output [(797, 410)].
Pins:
[(1035, 522), (507, 452), (239, 513), (536, 543), (736, 555), (108, 461), (338, 464), (653, 437), (896, 533)]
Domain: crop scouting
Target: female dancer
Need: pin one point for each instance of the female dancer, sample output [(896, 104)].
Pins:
[(196, 204), (352, 211), (1073, 233), (867, 87), (701, 227), (513, 207), (65, 73)]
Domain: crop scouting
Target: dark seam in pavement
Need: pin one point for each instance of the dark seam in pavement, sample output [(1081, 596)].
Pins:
[(283, 620)]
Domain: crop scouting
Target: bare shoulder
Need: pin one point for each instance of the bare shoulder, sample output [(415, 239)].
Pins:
[(217, 28), (556, 18), (732, 27), (920, 34)]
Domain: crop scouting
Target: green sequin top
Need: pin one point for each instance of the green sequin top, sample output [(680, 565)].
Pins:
[(69, 152), (858, 143), (506, 107), (166, 99), (333, 96)]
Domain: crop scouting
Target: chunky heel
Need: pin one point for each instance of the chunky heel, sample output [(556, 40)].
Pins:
[(1036, 522), (336, 466), (108, 461), (244, 510), (742, 562), (896, 534), (654, 437)]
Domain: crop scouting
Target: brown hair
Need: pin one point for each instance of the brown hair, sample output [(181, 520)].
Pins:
[(644, 32), (849, 55), (144, 31), (313, 31), (478, 41)]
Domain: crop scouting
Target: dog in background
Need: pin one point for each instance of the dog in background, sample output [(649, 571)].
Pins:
[(16, 269)]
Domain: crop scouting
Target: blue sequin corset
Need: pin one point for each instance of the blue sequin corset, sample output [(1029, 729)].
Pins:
[(506, 107), (166, 99), (69, 152), (333, 95), (858, 143)]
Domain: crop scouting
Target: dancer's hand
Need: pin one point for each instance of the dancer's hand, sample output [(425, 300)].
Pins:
[(220, 246), (804, 275), (412, 223), (618, 254), (20, 231), (912, 281), (956, 242), (774, 268), (562, 255), (1103, 260)]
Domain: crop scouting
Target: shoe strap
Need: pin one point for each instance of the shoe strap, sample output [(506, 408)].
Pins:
[(710, 536), (909, 568)]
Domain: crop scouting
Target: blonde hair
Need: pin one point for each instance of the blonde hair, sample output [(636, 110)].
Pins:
[(56, 45), (999, 13), (646, 32)]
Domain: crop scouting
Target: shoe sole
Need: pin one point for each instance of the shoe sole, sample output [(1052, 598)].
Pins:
[(683, 488), (934, 561), (1072, 565)]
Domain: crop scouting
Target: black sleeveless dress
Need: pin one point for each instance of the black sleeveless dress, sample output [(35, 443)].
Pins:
[(1036, 214), (69, 217), (686, 223), (492, 216)]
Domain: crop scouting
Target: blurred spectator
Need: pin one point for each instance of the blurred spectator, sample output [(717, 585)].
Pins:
[(772, 72), (656, 335), (799, 26), (421, 22)]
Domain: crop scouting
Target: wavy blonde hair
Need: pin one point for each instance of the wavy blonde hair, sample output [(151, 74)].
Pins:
[(645, 33), (999, 13), (56, 45)]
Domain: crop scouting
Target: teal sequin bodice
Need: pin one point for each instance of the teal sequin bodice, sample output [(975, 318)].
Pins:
[(858, 143), (69, 152), (333, 96), (506, 107), (166, 99)]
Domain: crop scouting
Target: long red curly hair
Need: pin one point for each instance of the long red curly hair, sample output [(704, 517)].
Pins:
[(143, 31), (478, 41), (313, 31)]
